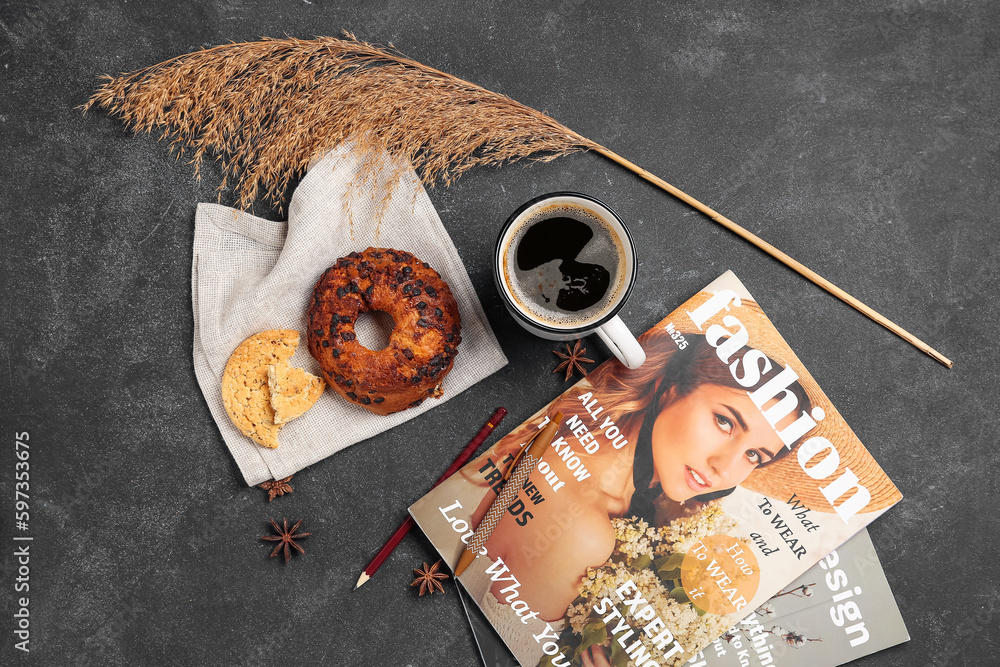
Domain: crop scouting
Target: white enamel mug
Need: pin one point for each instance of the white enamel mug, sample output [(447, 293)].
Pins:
[(564, 265)]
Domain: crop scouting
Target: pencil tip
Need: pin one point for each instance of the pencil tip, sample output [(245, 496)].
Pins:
[(464, 560), (362, 579)]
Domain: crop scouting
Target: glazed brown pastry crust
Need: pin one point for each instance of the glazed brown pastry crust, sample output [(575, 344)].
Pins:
[(421, 348)]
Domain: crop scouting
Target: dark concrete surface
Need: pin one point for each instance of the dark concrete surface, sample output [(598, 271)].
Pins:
[(861, 138)]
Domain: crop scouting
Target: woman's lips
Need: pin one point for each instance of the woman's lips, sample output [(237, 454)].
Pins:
[(696, 480)]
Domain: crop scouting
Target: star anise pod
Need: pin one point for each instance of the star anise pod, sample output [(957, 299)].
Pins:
[(286, 538), (574, 360), (276, 487), (428, 579)]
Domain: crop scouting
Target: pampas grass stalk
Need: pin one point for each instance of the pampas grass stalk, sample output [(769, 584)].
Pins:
[(267, 109)]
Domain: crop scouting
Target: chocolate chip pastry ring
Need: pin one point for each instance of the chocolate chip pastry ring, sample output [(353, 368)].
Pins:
[(422, 346)]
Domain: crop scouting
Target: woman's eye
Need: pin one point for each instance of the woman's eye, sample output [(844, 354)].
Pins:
[(754, 456), (724, 423)]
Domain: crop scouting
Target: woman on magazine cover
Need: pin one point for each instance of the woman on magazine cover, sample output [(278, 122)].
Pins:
[(690, 434)]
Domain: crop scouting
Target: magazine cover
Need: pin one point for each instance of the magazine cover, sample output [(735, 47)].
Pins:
[(840, 610), (674, 500)]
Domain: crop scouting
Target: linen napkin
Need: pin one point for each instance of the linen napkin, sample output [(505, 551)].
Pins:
[(250, 275)]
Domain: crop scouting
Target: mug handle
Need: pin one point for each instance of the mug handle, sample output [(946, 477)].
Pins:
[(622, 343)]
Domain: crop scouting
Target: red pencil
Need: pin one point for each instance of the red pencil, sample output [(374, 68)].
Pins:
[(401, 532)]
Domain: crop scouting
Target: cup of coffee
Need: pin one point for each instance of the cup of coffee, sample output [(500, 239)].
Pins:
[(564, 265)]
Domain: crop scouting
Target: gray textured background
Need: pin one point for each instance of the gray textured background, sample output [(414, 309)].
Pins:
[(861, 138)]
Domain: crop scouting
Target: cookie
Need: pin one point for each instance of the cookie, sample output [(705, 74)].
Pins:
[(293, 391), (244, 383)]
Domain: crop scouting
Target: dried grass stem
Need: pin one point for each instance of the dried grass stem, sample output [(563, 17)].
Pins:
[(266, 109)]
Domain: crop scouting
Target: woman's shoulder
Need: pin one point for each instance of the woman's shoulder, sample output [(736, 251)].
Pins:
[(583, 535), (593, 540), (556, 558)]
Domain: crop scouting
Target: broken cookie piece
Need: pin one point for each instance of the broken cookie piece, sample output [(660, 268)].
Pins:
[(293, 391), (245, 391)]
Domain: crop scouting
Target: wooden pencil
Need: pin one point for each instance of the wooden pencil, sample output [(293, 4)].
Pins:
[(405, 527)]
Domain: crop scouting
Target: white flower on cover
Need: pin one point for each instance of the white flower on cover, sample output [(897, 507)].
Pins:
[(636, 539)]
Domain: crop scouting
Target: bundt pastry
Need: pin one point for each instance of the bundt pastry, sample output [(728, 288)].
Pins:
[(421, 348)]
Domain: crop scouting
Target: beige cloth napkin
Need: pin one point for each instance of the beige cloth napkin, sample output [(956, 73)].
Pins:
[(250, 275)]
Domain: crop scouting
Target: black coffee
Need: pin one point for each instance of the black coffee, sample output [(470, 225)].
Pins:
[(563, 239), (564, 266)]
